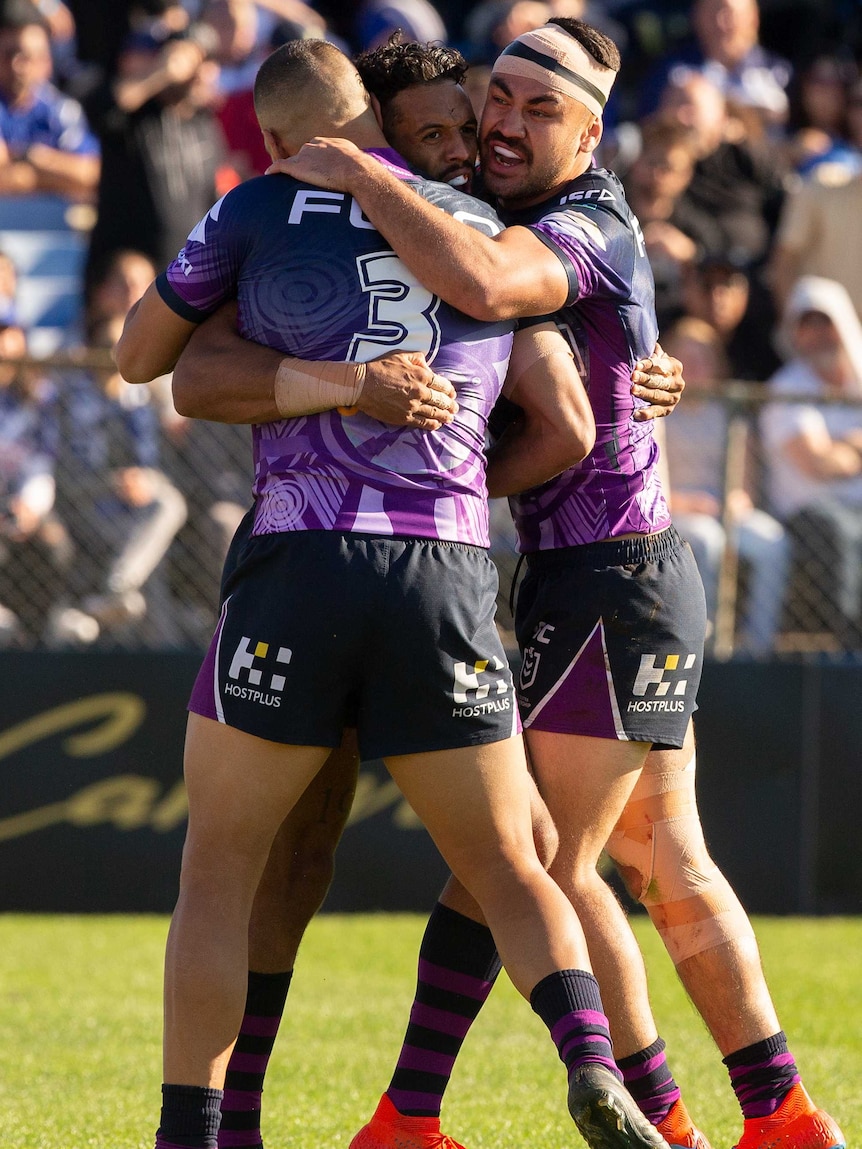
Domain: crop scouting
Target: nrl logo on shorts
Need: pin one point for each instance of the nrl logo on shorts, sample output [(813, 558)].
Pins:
[(529, 667), (532, 657)]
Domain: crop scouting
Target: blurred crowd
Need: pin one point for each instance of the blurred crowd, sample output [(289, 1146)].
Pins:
[(736, 128)]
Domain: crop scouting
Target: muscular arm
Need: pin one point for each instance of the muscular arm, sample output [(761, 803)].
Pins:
[(556, 428), (510, 275), (227, 379), (153, 339)]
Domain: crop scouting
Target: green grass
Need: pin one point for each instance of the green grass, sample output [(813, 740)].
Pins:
[(80, 1031)]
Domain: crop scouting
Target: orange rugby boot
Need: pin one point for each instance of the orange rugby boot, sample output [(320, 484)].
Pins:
[(678, 1129), (797, 1123), (389, 1129)]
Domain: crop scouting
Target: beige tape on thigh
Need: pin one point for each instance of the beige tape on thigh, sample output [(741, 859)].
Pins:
[(303, 388), (659, 848)]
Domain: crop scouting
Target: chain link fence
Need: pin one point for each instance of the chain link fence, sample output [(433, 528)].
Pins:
[(117, 513)]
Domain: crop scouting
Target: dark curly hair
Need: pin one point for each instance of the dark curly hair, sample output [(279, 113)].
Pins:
[(601, 47), (397, 65)]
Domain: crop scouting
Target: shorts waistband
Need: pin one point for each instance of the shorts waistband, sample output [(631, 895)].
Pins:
[(611, 552)]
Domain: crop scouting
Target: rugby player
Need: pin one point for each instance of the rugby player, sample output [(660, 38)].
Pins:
[(363, 540), (417, 94), (610, 616)]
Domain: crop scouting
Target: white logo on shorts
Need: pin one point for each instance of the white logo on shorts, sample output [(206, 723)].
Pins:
[(243, 664), (472, 687), (651, 675)]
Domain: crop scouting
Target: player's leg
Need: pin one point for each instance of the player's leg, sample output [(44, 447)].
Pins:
[(475, 804), (612, 636), (457, 969), (292, 888), (268, 705), (659, 848), (586, 782), (240, 788)]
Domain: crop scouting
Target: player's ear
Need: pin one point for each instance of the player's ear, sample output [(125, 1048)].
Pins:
[(591, 135), (276, 149), (378, 111)]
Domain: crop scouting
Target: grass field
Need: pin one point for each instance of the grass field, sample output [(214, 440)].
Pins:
[(80, 1030)]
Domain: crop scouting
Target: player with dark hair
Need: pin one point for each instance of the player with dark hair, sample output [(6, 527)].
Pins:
[(362, 539), (407, 83), (294, 884), (610, 616)]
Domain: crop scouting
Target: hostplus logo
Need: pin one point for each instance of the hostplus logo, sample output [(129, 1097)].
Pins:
[(665, 684), (482, 687), (247, 678)]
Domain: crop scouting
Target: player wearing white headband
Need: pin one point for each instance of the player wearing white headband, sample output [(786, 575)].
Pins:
[(610, 616)]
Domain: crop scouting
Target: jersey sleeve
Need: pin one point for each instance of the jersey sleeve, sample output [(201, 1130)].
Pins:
[(205, 273), (587, 242)]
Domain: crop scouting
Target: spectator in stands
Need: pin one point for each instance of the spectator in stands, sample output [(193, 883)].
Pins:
[(35, 549), (817, 233), (731, 206), (738, 184), (45, 143), (726, 50), (696, 446), (655, 183), (239, 53), (417, 20), (123, 510), (717, 289), (818, 129), (814, 451), (161, 143)]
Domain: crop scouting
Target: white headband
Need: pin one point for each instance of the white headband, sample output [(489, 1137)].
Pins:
[(552, 56)]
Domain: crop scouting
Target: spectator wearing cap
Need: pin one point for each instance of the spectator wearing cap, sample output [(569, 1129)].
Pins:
[(45, 143), (813, 449)]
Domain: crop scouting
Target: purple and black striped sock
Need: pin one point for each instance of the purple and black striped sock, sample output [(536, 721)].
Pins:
[(190, 1117), (570, 1005), (243, 1086), (648, 1078), (762, 1075), (458, 965)]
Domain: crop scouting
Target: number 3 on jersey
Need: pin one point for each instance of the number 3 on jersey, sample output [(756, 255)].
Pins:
[(402, 314)]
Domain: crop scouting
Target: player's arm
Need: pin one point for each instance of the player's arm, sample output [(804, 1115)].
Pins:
[(659, 381), (222, 377), (153, 338), (555, 429), (501, 277)]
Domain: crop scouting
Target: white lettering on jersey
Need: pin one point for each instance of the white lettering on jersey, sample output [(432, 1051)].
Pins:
[(314, 200), (401, 312)]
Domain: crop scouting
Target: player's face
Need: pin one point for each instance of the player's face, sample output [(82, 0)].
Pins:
[(433, 127), (532, 140)]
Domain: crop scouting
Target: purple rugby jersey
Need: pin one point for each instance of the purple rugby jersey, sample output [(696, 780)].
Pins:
[(313, 279), (609, 320)]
